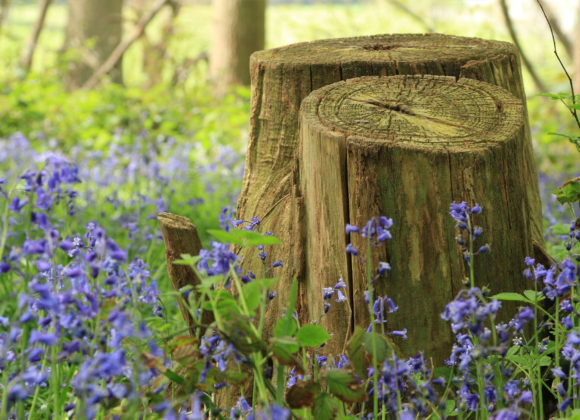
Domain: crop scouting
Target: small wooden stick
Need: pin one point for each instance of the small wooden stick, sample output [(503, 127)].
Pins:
[(181, 237)]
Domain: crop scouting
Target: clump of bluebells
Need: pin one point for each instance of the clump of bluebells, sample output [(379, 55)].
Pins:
[(82, 323), (84, 330), (74, 320)]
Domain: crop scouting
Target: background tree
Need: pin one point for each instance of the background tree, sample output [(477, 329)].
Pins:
[(98, 23), (238, 31), (155, 48), (29, 53)]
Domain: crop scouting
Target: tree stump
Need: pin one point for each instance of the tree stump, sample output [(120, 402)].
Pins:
[(283, 77), (406, 147)]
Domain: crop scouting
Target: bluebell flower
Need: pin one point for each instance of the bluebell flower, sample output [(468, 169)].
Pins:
[(525, 315), (350, 228), (327, 293), (351, 250), (340, 296)]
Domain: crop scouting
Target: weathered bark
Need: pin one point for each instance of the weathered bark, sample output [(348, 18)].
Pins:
[(180, 237), (405, 147), (283, 77), (238, 30), (38, 25), (100, 21)]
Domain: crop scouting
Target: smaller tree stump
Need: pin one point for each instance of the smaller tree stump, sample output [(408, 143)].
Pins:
[(406, 147), (181, 237)]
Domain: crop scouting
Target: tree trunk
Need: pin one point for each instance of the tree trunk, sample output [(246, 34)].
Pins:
[(4, 6), (405, 147), (283, 77), (100, 25), (38, 25), (238, 30), (577, 51), (114, 59)]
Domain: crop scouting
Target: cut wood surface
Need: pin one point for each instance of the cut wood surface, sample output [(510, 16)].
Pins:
[(181, 237), (405, 147), (283, 77)]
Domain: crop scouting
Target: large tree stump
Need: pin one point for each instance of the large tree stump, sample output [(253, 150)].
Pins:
[(283, 77), (406, 147)]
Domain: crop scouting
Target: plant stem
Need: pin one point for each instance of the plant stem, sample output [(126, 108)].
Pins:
[(373, 330)]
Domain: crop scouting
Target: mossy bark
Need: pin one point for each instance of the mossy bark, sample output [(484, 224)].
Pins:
[(405, 147), (283, 77)]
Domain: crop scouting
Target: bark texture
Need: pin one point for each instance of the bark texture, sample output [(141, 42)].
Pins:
[(238, 30), (99, 22), (405, 147), (181, 237), (283, 77)]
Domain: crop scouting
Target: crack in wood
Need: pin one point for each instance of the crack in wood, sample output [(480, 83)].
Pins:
[(402, 110)]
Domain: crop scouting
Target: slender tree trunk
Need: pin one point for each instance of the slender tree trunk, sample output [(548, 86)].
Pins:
[(94, 29), (38, 25), (155, 52), (238, 30), (405, 147), (114, 59), (283, 77), (4, 6)]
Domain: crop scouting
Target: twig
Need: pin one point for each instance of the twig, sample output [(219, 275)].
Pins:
[(180, 237), (560, 34), (539, 84), (415, 16), (572, 110), (38, 25), (118, 52), (182, 71)]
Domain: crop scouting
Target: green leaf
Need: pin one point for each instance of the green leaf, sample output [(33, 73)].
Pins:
[(312, 335), (534, 296), (569, 192), (287, 324), (450, 408), (226, 237), (187, 259), (174, 377), (382, 348), (251, 238), (510, 296), (356, 351), (443, 372), (345, 385), (263, 240), (325, 407), (284, 349), (252, 293)]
